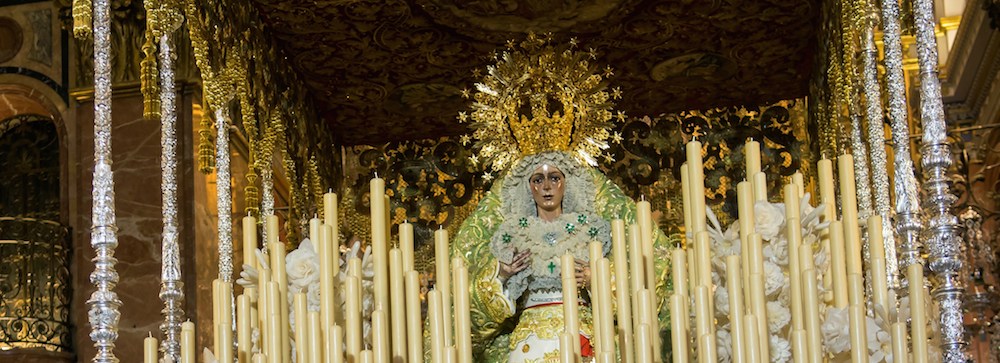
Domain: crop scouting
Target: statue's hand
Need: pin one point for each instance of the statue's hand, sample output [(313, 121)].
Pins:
[(521, 261), (582, 273)]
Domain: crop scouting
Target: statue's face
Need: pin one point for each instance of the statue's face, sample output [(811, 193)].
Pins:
[(548, 184)]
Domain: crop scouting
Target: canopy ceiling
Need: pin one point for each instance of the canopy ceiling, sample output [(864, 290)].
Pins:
[(393, 70)]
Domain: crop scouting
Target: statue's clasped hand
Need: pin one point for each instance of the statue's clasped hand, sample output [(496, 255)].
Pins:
[(521, 261)]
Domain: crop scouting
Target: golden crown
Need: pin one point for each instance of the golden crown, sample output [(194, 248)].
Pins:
[(539, 98)]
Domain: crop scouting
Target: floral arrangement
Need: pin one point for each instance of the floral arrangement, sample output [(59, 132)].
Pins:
[(769, 221), (302, 267)]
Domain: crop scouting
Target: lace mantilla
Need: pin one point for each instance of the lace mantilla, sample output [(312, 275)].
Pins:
[(548, 241)]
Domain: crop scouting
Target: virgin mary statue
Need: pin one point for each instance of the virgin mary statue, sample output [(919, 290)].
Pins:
[(541, 117)]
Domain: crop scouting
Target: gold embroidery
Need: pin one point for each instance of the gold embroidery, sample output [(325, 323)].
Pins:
[(547, 323)]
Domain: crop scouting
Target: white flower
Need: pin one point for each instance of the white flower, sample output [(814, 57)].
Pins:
[(723, 346), (781, 350), (768, 219), (836, 331), (774, 278), (879, 342), (302, 266), (778, 316), (721, 301), (776, 251)]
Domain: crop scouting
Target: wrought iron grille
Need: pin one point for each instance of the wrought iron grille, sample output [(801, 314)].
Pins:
[(34, 284)]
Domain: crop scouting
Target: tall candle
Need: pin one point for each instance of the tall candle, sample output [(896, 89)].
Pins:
[(330, 209), (751, 340), (758, 308), (216, 313), (643, 344), (703, 314), (566, 348), (367, 356), (335, 350), (794, 233), (149, 353), (918, 317), (406, 245), (353, 332), (264, 310), (810, 304), (686, 200), (276, 332), (397, 297), (678, 331), (759, 184), (596, 299), (187, 342), (442, 276), (414, 330), (624, 303), (752, 153), (696, 174), (703, 255), (244, 328), (849, 210), (638, 275), (898, 333), (859, 333), (571, 314), (380, 337), (880, 281), (463, 319), (735, 291), (707, 352), (380, 253), (314, 235), (644, 217), (800, 186), (745, 202), (280, 276), (607, 320), (250, 241), (225, 351), (329, 268), (826, 189), (301, 325), (314, 338), (436, 326), (800, 348), (838, 266)]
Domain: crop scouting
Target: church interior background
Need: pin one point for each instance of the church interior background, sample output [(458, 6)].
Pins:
[(324, 94)]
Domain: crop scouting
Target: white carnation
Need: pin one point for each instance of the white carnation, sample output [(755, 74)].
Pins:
[(836, 331), (781, 350), (776, 251), (721, 301), (774, 278), (778, 316), (768, 219)]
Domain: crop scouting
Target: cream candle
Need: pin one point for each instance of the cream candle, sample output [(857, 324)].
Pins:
[(696, 174), (434, 311), (149, 347), (335, 350), (918, 316), (330, 208), (571, 314), (380, 252), (301, 325), (751, 150), (250, 241), (397, 298), (678, 330), (244, 328), (314, 337), (187, 342), (353, 332), (442, 276), (463, 319), (406, 245), (838, 266), (735, 291), (759, 184), (414, 330), (622, 295)]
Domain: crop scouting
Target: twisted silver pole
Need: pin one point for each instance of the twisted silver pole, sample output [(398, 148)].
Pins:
[(942, 236), (907, 221), (876, 142), (103, 303), (171, 285), (224, 195)]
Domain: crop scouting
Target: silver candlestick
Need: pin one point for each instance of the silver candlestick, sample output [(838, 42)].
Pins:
[(943, 240), (103, 303)]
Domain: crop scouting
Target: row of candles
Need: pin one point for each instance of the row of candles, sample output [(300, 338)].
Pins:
[(396, 323), (745, 274), (326, 337)]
